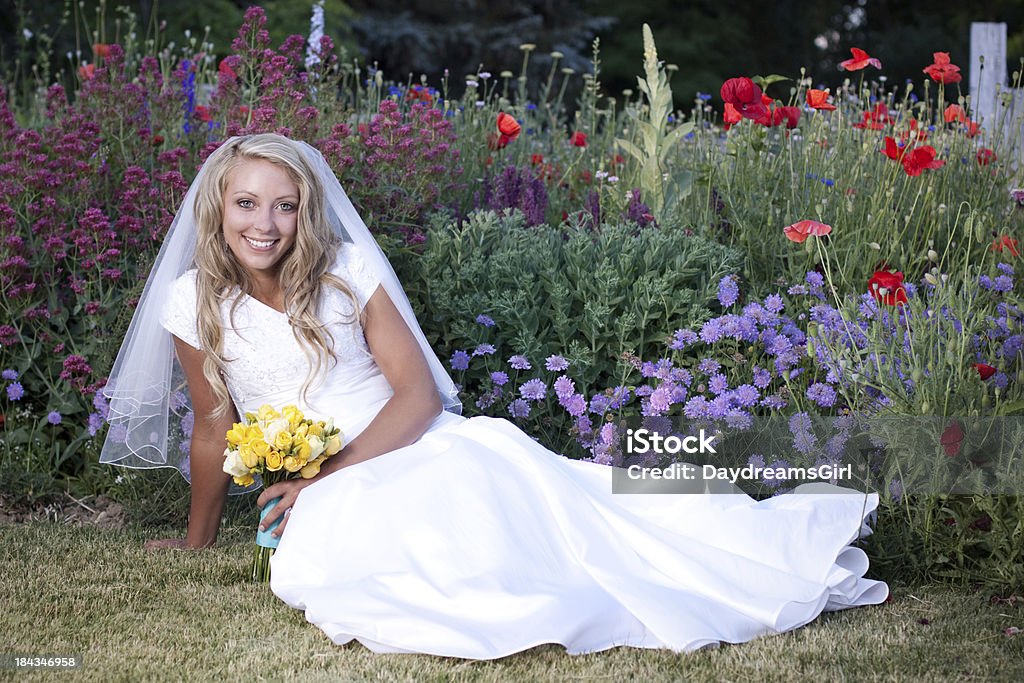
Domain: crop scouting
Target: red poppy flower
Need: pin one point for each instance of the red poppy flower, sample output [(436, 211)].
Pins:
[(801, 230), (919, 159), (731, 116), (203, 113), (892, 150), (157, 140), (1006, 242), (985, 371), (578, 139), (942, 71), (952, 438), (971, 128), (887, 287), (860, 60), (508, 127), (536, 159), (745, 96), (876, 118), (954, 112), (586, 176), (789, 115), (818, 99), (101, 49), (985, 156), (86, 71), (419, 94), (915, 131)]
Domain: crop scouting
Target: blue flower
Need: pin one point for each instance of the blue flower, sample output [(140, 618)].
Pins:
[(484, 350), (460, 360), (15, 391), (499, 378), (556, 363), (519, 408), (9, 374), (519, 362), (728, 291), (534, 390), (54, 417), (822, 394), (485, 320)]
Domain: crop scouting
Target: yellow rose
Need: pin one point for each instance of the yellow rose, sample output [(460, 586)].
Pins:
[(312, 468), (316, 429), (249, 457), (274, 460), (303, 450), (273, 428), (283, 440), (302, 429), (292, 464), (333, 444), (294, 415), (247, 480), (260, 450), (266, 414), (238, 434)]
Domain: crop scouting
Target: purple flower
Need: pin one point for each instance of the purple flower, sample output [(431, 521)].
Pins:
[(485, 320), (773, 402), (660, 400), (746, 395), (460, 360), (575, 405), (696, 408), (533, 390), (99, 402), (54, 417), (683, 338), (711, 331), (556, 363), (814, 279), (564, 387), (762, 378), (771, 479), (95, 423), (708, 366), (728, 291), (519, 408), (773, 303), (9, 374), (718, 383), (738, 419), (178, 401), (519, 363), (483, 350), (756, 460), (15, 391), (188, 423), (822, 394), (499, 378), (1005, 268)]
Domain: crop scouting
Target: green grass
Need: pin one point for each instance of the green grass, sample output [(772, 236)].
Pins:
[(172, 615)]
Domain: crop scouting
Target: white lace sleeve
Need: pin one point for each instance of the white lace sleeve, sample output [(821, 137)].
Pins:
[(179, 312), (356, 271)]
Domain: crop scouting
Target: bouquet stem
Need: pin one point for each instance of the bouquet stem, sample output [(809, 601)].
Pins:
[(261, 564)]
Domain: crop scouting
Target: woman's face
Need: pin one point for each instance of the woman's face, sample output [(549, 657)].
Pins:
[(261, 208)]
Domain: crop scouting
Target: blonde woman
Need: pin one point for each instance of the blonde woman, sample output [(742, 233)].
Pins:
[(428, 532)]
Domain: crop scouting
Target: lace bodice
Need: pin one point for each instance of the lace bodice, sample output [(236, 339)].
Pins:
[(267, 364)]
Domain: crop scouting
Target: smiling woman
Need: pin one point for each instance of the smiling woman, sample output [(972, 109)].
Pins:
[(260, 221)]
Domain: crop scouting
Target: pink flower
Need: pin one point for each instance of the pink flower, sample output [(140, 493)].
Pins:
[(801, 230), (860, 60)]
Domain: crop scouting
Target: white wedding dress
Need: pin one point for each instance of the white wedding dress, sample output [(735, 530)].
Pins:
[(478, 542)]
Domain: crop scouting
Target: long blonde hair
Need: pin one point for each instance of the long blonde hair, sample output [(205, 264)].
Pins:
[(303, 270)]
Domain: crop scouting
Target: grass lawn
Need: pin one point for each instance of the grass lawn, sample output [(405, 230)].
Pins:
[(138, 616)]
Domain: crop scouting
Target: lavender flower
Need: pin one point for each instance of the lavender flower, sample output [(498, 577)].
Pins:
[(683, 338), (660, 400), (575, 405), (696, 408), (519, 363), (822, 394), (54, 417), (746, 395), (499, 378), (9, 374), (762, 378), (708, 366), (773, 303), (556, 363), (728, 291), (460, 360), (718, 383), (95, 423), (519, 408), (564, 387), (533, 390), (484, 350), (485, 320), (15, 391)]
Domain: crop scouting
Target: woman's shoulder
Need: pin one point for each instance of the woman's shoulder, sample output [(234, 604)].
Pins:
[(179, 311), (353, 265)]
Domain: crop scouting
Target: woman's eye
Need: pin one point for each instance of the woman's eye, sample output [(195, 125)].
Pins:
[(287, 206), (245, 203)]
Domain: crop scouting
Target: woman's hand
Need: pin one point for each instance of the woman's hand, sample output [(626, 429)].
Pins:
[(288, 492)]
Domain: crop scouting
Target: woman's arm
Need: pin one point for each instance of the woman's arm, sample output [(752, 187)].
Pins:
[(206, 457), (403, 419)]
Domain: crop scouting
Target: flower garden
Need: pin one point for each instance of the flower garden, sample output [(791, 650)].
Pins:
[(820, 246)]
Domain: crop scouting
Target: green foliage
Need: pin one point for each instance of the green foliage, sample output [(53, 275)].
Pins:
[(590, 296)]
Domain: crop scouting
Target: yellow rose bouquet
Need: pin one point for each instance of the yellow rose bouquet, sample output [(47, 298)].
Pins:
[(277, 446)]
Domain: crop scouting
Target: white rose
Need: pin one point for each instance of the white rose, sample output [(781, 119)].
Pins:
[(316, 445), (233, 464), (275, 427)]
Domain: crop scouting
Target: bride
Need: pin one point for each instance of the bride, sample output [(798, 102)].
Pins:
[(428, 532)]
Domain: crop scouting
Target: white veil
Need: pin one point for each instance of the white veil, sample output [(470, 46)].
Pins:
[(150, 413)]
